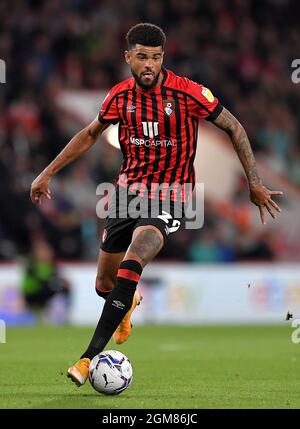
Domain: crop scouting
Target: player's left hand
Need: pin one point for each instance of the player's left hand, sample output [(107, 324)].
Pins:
[(262, 197)]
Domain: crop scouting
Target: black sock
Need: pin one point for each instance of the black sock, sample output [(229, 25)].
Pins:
[(117, 304)]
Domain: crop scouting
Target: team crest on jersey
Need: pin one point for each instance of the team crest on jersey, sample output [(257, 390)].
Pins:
[(168, 107)]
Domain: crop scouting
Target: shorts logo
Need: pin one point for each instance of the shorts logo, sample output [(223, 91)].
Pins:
[(104, 235), (150, 129), (168, 107)]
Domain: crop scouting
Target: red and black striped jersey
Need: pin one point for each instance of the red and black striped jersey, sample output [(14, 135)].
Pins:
[(158, 128)]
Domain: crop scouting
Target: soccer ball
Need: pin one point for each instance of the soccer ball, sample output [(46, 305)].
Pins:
[(110, 372)]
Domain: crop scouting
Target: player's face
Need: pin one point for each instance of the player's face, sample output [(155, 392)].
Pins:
[(145, 63)]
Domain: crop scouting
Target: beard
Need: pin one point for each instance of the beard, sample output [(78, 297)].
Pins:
[(142, 84)]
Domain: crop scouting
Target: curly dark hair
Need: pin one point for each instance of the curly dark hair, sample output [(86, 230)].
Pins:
[(145, 34)]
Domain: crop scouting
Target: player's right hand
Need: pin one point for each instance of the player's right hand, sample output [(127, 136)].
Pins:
[(39, 188)]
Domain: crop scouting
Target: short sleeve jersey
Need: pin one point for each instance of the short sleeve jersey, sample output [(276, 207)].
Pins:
[(158, 128)]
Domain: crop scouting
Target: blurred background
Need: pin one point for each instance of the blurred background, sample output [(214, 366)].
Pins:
[(62, 56)]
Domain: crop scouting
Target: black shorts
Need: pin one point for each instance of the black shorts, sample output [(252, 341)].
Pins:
[(167, 216)]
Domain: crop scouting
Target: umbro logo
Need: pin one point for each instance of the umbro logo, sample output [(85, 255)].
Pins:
[(131, 108), (118, 304)]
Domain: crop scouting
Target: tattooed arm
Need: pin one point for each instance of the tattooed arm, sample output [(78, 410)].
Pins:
[(259, 194), (79, 144)]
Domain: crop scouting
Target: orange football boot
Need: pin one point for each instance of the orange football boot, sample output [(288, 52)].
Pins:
[(79, 372), (123, 331)]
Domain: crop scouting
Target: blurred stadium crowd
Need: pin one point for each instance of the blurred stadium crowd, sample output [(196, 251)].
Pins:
[(241, 49)]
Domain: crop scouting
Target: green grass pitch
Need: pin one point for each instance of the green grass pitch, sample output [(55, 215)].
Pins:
[(174, 367)]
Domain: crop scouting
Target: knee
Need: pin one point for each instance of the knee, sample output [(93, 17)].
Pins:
[(104, 283)]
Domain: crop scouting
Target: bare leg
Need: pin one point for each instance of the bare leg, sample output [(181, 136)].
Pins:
[(146, 243), (108, 264)]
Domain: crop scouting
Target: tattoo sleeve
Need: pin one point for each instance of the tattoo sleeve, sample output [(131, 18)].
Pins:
[(227, 122)]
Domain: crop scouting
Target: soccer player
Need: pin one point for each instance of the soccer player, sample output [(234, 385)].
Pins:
[(158, 114)]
